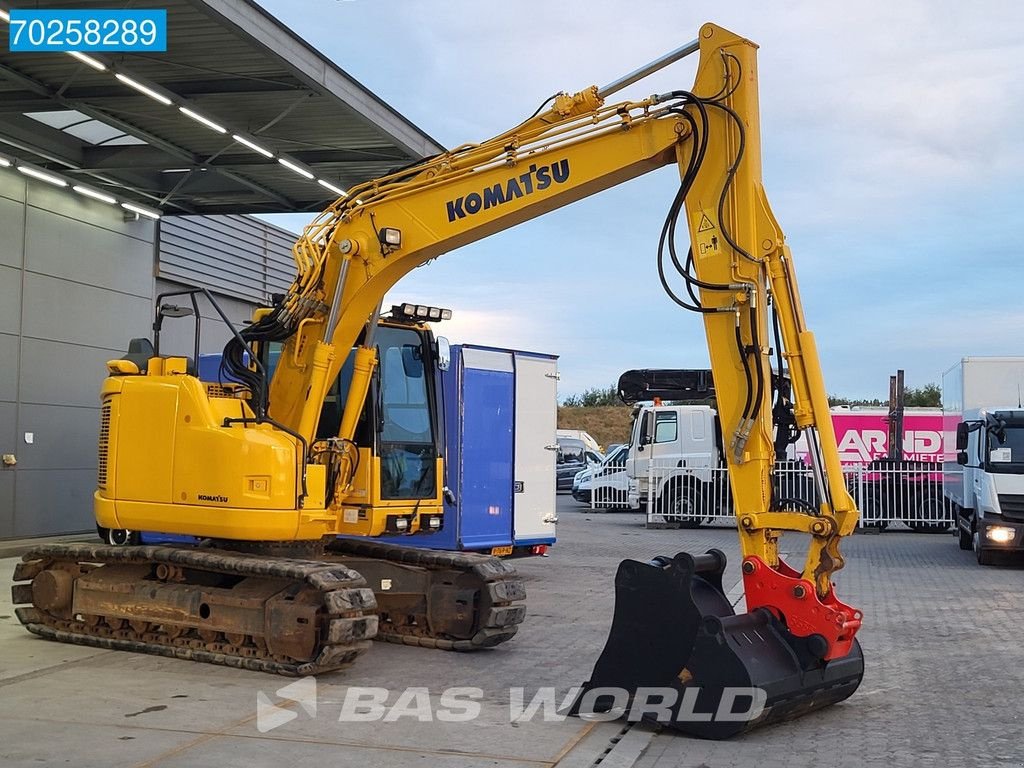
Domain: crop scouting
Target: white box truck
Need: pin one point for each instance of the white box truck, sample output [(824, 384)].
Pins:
[(984, 484)]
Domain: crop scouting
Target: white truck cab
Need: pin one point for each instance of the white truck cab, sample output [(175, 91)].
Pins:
[(985, 481), (674, 451)]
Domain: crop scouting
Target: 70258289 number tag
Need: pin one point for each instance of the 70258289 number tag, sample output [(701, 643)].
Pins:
[(87, 30)]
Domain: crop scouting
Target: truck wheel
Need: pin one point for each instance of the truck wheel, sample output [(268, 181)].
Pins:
[(682, 504), (931, 516), (965, 539), (873, 512), (984, 556)]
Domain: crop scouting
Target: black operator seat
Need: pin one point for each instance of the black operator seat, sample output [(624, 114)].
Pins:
[(139, 352)]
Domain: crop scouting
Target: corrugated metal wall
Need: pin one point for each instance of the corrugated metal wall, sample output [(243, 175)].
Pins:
[(237, 256)]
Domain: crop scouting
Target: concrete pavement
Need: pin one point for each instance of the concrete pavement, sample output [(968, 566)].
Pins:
[(944, 672)]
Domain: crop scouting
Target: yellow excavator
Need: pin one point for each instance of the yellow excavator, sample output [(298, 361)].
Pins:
[(318, 439)]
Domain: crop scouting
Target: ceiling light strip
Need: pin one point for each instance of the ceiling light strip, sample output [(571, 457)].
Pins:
[(204, 120), (143, 89), (252, 145), (94, 194), (154, 94), (96, 64), (140, 210), (35, 173), (297, 168), (336, 190)]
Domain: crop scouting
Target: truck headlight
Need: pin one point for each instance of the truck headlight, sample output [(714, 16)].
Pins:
[(1000, 534)]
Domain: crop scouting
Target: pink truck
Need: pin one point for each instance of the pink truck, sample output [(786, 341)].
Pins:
[(887, 489), (862, 435)]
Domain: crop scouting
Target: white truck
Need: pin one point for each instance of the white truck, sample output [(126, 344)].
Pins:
[(981, 401), (676, 470), (676, 467), (674, 461), (580, 434)]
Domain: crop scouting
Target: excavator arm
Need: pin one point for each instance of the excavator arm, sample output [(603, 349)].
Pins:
[(738, 274)]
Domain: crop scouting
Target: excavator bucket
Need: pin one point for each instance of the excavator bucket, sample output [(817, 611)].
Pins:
[(678, 655)]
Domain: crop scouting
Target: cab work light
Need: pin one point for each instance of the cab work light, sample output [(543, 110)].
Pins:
[(419, 312)]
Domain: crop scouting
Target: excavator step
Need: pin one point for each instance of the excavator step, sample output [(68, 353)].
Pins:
[(676, 643)]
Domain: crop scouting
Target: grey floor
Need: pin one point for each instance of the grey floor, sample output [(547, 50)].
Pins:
[(945, 668)]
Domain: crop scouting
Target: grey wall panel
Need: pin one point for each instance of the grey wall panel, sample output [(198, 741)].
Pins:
[(8, 475), (12, 186), (10, 300), (56, 373), (75, 284), (54, 501), (63, 437), (12, 225), (86, 253), (238, 256), (6, 502), (9, 442), (81, 314), (8, 367)]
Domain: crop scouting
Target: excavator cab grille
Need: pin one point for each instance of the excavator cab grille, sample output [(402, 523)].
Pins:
[(224, 390), (104, 446)]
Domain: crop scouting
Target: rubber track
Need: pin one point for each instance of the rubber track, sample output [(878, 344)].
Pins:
[(498, 615), (347, 603)]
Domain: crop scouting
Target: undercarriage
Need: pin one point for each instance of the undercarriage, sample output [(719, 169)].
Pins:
[(262, 610)]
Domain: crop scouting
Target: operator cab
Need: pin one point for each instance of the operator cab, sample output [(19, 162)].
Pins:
[(400, 423)]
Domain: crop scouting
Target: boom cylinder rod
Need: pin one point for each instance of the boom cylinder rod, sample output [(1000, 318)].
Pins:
[(335, 311), (659, 63)]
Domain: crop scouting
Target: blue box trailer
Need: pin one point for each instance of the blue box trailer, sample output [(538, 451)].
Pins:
[(500, 414), (499, 409)]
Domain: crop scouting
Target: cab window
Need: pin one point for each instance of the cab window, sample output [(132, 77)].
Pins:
[(408, 455), (666, 428)]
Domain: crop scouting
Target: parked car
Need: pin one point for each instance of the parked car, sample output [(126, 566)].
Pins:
[(573, 456), (606, 484)]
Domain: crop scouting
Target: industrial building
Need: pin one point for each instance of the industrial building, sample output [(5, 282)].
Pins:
[(124, 176)]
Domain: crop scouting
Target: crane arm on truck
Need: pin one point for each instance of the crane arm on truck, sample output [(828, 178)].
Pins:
[(737, 273)]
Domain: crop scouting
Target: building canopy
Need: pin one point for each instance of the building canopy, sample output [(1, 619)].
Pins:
[(240, 115)]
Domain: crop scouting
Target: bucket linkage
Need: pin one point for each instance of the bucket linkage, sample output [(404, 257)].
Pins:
[(677, 654)]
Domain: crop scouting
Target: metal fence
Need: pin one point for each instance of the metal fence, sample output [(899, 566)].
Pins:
[(905, 493)]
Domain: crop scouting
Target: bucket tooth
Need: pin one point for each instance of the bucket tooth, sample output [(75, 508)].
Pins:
[(677, 654)]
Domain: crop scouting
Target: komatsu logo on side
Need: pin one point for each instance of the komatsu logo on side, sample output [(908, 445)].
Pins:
[(536, 179), (218, 499)]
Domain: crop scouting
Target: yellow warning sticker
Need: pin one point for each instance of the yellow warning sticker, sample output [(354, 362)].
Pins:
[(705, 223)]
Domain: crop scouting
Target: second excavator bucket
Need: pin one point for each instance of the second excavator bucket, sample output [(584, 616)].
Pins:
[(678, 655)]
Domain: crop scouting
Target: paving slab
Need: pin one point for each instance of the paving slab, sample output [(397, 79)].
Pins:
[(944, 672)]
